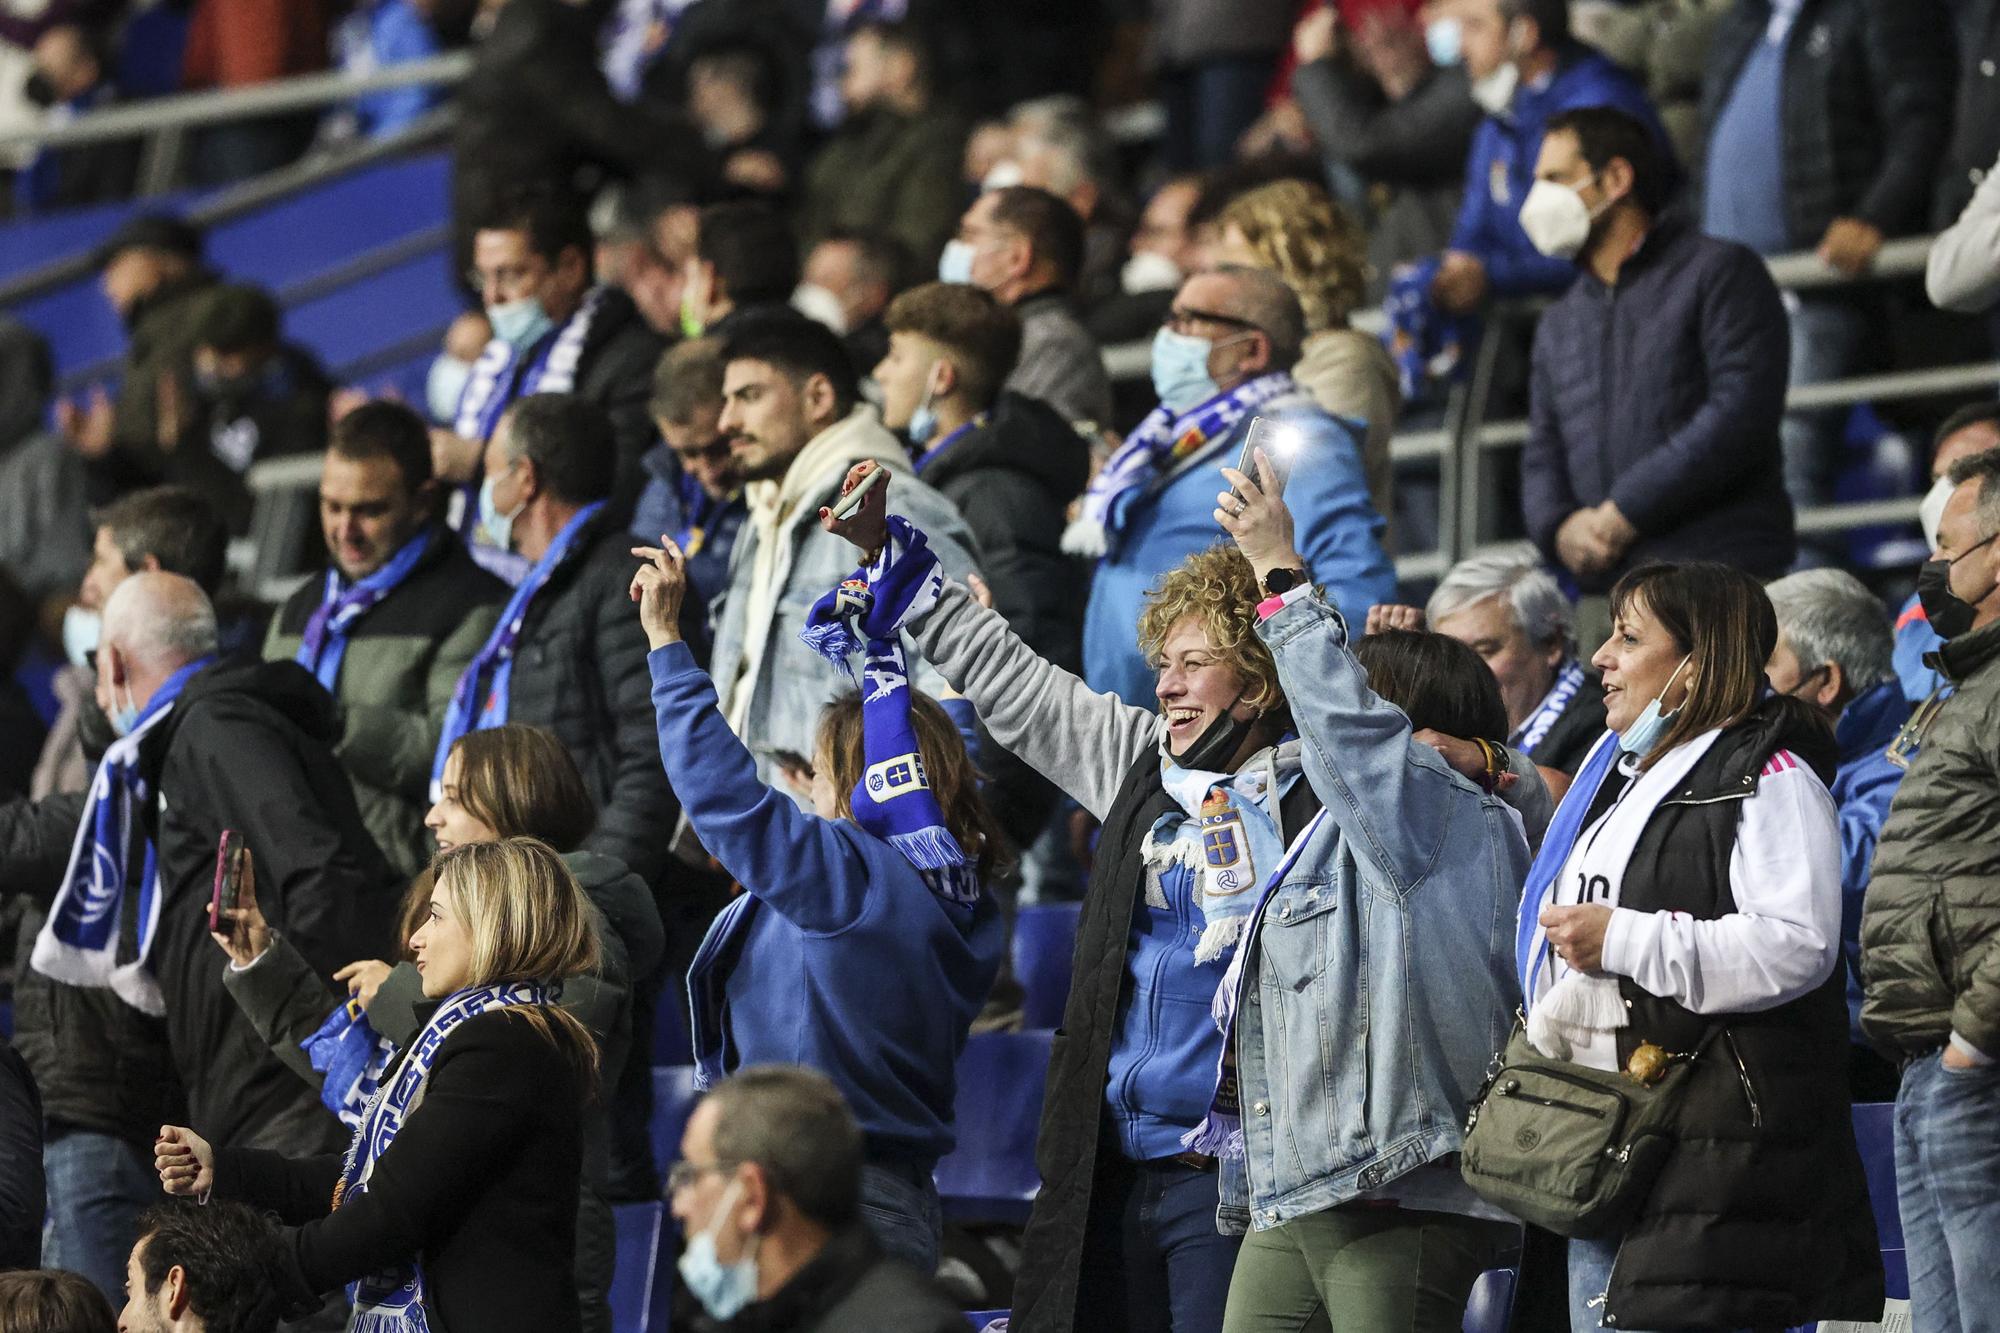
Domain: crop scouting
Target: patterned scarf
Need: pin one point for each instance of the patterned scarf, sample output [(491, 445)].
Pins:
[(1550, 710), (352, 1055), (893, 800), (392, 1301), (1161, 443), (341, 604), (502, 376), (1428, 346), (78, 943), (480, 701), (1225, 837)]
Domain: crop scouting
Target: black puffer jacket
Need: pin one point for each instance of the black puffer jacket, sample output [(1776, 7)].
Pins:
[(581, 672), (1760, 1217), (1663, 393), (1013, 478), (1867, 106)]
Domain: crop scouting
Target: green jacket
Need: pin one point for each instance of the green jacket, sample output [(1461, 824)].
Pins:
[(403, 661), (1930, 924), (889, 173)]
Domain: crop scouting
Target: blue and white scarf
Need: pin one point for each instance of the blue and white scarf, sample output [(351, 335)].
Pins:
[(501, 376), (341, 604), (480, 700), (1225, 836), (352, 1055), (1550, 710), (1156, 449), (893, 800), (78, 943), (392, 1301), (1428, 345)]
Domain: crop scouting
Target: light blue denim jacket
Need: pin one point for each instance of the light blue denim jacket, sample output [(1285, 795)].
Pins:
[(1381, 975)]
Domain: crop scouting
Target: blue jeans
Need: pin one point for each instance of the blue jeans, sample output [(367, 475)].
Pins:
[(1828, 334), (98, 1186), (1948, 1189), (900, 1206), (1153, 1261)]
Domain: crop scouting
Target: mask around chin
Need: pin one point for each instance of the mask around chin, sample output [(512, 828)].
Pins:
[(723, 1289), (1211, 751)]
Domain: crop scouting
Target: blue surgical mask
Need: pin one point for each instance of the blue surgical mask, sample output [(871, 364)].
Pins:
[(1180, 370), (723, 1289), (924, 419), (520, 324), (955, 264), (1443, 38), (81, 629), (444, 386), (496, 527), (123, 716), (1651, 724)]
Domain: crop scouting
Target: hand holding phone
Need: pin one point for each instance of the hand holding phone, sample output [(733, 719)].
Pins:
[(1278, 442), (228, 888), (850, 504)]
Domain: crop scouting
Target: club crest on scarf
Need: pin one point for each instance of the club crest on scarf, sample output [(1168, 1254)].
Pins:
[(893, 800), (1223, 840)]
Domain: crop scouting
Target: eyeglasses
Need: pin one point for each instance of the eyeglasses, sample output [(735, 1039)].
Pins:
[(509, 279), (1178, 321), (683, 1174)]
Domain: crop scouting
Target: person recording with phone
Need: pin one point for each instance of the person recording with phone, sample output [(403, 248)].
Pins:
[(1221, 361)]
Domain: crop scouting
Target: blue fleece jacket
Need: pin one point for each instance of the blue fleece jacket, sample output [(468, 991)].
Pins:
[(838, 956), (1863, 787), (1501, 167), (1916, 640)]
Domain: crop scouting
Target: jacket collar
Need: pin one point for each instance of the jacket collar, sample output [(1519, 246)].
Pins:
[(1870, 722), (1965, 656), (814, 1289)]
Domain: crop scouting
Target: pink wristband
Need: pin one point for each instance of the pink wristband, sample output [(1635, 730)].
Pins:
[(1270, 606)]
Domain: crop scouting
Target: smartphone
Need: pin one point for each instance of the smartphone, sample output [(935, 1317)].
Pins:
[(228, 878), (850, 504), (1279, 442)]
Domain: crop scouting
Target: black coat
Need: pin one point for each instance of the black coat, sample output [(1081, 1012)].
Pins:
[(479, 1186), (1975, 126), (615, 371), (23, 1198), (580, 670), (1867, 107), (1760, 1217), (249, 746), (1663, 393), (849, 1287), (1568, 742)]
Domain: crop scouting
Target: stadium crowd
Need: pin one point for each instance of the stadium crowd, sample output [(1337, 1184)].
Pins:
[(773, 591)]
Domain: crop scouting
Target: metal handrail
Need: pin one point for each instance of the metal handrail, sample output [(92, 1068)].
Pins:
[(181, 111)]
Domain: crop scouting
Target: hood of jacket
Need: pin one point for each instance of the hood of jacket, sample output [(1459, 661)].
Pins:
[(1024, 435), (1777, 722)]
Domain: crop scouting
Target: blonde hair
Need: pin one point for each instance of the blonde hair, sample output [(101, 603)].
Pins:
[(1301, 234), (1219, 587), (529, 921)]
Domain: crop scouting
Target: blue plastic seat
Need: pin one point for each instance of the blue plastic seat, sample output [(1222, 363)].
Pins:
[(643, 1283), (990, 1176), (674, 1096), (1491, 1304), (1044, 945)]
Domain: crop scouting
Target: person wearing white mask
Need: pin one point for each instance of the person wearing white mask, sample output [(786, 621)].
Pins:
[(554, 330), (1972, 429), (1524, 67), (768, 1194), (1221, 360), (1657, 380)]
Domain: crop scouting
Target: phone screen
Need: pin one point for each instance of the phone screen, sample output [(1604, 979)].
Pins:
[(228, 878), (1279, 443)]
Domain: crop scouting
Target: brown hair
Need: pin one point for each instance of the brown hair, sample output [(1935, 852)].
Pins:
[(954, 781), (1721, 619), (687, 379), (1219, 586), (521, 782), (982, 337), (1301, 234), (51, 1300)]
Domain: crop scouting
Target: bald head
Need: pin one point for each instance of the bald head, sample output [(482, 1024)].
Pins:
[(160, 620)]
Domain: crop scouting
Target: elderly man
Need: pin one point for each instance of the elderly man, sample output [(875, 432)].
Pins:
[(1834, 652), (768, 1192), (1970, 430), (1222, 360), (1930, 955)]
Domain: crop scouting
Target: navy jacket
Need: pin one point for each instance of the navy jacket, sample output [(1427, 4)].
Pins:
[(1862, 790), (1663, 393), (1501, 167), (838, 957)]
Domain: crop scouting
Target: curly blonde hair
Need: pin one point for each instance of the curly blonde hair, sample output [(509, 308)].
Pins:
[(1301, 234), (1218, 586)]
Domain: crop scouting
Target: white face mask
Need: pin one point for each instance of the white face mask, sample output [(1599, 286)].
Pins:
[(1929, 514), (1149, 271), (1556, 219), (817, 303), (1495, 92), (81, 628), (1003, 174)]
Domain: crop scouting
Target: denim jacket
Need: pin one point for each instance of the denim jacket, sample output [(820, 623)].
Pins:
[(1381, 974)]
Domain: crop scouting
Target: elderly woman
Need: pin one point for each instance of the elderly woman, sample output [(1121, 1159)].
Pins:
[(1298, 232), (1199, 802), (1688, 898)]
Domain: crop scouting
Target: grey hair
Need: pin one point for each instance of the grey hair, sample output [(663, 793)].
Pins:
[(1517, 574), (1984, 465), (793, 1122), (1831, 619), (1263, 300), (163, 620)]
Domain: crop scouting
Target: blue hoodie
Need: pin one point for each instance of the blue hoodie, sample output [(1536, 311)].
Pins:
[(838, 956), (1501, 167)]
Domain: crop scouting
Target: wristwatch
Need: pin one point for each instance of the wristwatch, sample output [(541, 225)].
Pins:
[(1282, 580)]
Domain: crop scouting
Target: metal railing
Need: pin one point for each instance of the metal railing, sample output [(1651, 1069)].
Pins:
[(1464, 447)]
